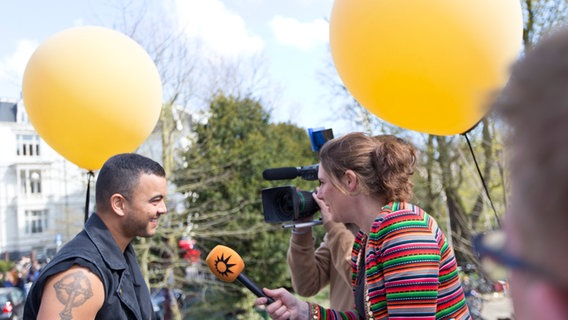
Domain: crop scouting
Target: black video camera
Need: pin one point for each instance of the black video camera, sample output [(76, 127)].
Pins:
[(289, 203)]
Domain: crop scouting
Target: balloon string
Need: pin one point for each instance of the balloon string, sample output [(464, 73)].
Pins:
[(90, 175), (482, 180)]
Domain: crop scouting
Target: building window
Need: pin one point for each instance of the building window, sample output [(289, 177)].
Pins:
[(28, 145), (36, 221), (30, 181)]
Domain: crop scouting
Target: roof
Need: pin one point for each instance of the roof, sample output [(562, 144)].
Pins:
[(8, 111)]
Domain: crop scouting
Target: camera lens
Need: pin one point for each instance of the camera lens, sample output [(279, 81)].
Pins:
[(307, 205), (285, 202)]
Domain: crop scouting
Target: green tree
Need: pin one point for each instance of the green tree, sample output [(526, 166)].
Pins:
[(222, 182)]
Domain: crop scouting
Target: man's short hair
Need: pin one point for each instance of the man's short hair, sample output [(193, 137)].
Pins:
[(120, 174)]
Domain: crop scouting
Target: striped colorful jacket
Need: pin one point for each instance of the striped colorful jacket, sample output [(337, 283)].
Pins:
[(411, 271)]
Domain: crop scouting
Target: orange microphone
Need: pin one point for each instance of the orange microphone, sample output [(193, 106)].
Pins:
[(227, 265)]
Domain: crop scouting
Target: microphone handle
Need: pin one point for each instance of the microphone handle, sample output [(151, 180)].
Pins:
[(253, 287)]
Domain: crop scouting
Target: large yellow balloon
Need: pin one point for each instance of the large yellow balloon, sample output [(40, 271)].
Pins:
[(425, 65), (90, 93)]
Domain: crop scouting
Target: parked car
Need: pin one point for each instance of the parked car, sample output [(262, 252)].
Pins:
[(12, 303)]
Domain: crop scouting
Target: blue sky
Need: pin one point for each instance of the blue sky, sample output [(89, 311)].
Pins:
[(293, 35)]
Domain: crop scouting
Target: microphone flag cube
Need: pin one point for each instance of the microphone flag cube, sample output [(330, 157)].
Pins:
[(225, 263)]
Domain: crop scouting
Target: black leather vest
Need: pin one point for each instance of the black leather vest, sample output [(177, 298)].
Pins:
[(126, 293)]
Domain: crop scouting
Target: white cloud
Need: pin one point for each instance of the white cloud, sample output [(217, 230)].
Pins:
[(218, 28), (12, 66), (303, 35)]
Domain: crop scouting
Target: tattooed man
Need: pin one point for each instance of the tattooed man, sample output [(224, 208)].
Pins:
[(95, 275)]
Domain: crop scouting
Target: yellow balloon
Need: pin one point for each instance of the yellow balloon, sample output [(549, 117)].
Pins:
[(425, 65), (90, 93)]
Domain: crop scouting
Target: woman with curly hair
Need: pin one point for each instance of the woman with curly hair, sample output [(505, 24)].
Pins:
[(402, 264)]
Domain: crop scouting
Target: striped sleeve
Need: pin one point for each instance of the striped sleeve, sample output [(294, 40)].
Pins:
[(409, 262)]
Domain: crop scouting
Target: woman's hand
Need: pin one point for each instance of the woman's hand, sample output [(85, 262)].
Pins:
[(285, 305), (324, 209)]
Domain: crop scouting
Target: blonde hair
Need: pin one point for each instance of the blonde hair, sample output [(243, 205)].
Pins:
[(383, 164)]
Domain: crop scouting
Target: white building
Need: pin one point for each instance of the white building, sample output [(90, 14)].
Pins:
[(42, 195)]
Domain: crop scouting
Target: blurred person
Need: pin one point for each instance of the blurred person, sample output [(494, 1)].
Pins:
[(532, 245), (402, 264), (33, 273), (8, 280), (12, 278), (96, 275), (312, 269), (34, 267)]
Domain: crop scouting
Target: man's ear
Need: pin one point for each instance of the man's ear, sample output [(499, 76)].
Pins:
[(350, 180), (118, 203)]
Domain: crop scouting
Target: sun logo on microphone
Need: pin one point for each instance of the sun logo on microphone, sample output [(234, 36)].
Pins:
[(223, 266)]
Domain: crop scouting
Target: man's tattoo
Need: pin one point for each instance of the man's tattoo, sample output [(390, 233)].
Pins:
[(72, 291)]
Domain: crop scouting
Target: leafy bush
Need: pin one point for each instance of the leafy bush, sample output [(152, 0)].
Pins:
[(5, 265)]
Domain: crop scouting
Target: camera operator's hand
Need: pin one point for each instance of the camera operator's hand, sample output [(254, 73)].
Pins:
[(324, 209)]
